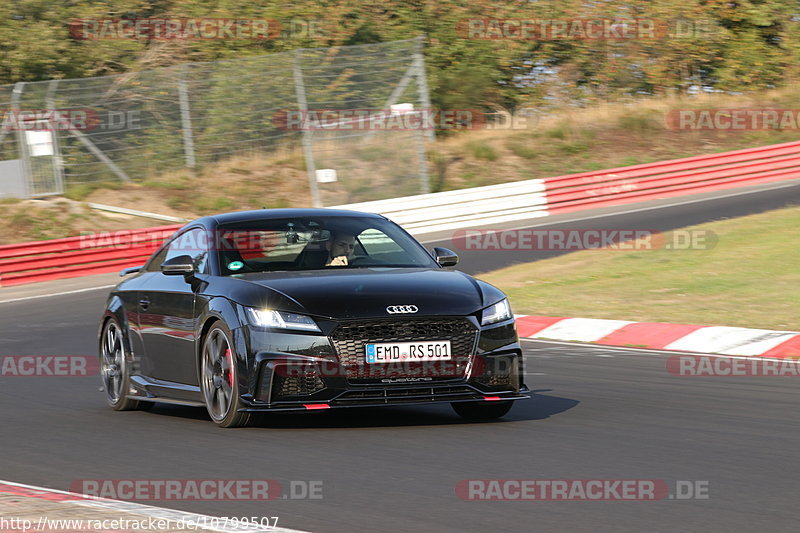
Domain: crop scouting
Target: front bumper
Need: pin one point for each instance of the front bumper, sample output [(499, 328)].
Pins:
[(386, 396), (300, 371)]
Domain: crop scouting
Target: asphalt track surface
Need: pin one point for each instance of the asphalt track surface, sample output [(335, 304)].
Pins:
[(597, 413)]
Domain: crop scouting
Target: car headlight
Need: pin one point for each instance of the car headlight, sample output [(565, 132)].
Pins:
[(270, 318), (496, 313)]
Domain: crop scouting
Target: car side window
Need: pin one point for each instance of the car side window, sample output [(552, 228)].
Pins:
[(155, 264), (192, 243)]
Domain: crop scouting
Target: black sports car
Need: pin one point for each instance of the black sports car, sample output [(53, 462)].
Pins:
[(305, 309)]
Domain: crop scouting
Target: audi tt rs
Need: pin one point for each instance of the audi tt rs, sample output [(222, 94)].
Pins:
[(306, 309)]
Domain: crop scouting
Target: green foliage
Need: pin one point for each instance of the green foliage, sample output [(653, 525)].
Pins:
[(167, 184), (559, 132), (176, 202), (574, 147), (593, 165), (734, 46), (630, 161), (523, 148), (373, 153), (641, 121), (80, 191), (207, 206), (278, 203), (481, 150)]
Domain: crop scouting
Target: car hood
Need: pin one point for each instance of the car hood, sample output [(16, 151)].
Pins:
[(367, 292)]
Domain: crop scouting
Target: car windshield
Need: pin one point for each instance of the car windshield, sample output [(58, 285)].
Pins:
[(304, 243)]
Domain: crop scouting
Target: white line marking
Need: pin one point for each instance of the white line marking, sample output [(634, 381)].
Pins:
[(660, 352), (617, 213), (23, 298), (582, 329), (149, 510), (731, 341)]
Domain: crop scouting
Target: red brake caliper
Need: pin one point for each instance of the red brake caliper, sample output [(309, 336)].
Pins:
[(230, 366)]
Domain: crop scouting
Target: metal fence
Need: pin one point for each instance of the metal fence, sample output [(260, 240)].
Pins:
[(138, 125)]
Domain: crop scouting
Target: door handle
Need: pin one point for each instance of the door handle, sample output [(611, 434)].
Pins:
[(144, 303)]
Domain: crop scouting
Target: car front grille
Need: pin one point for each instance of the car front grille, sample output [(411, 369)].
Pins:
[(500, 372), (370, 396), (309, 383), (288, 381), (350, 337)]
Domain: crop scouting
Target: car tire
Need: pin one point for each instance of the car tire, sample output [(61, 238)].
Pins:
[(482, 410), (219, 378), (115, 370)]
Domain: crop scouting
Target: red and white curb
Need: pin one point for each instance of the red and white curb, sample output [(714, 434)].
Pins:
[(210, 523), (721, 340)]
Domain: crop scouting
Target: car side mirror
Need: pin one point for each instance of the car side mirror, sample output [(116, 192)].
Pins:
[(182, 264), (445, 257), (130, 270)]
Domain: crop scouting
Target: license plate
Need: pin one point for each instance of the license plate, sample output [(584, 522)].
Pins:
[(400, 352)]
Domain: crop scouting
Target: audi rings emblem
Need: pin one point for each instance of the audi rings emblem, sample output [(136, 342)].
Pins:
[(397, 309)]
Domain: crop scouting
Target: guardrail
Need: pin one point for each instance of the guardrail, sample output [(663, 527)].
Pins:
[(428, 213), (676, 177), (438, 211), (78, 256)]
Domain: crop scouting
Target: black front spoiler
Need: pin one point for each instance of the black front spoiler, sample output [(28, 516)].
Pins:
[(390, 397)]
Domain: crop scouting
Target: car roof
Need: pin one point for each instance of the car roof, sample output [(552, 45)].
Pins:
[(262, 214)]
